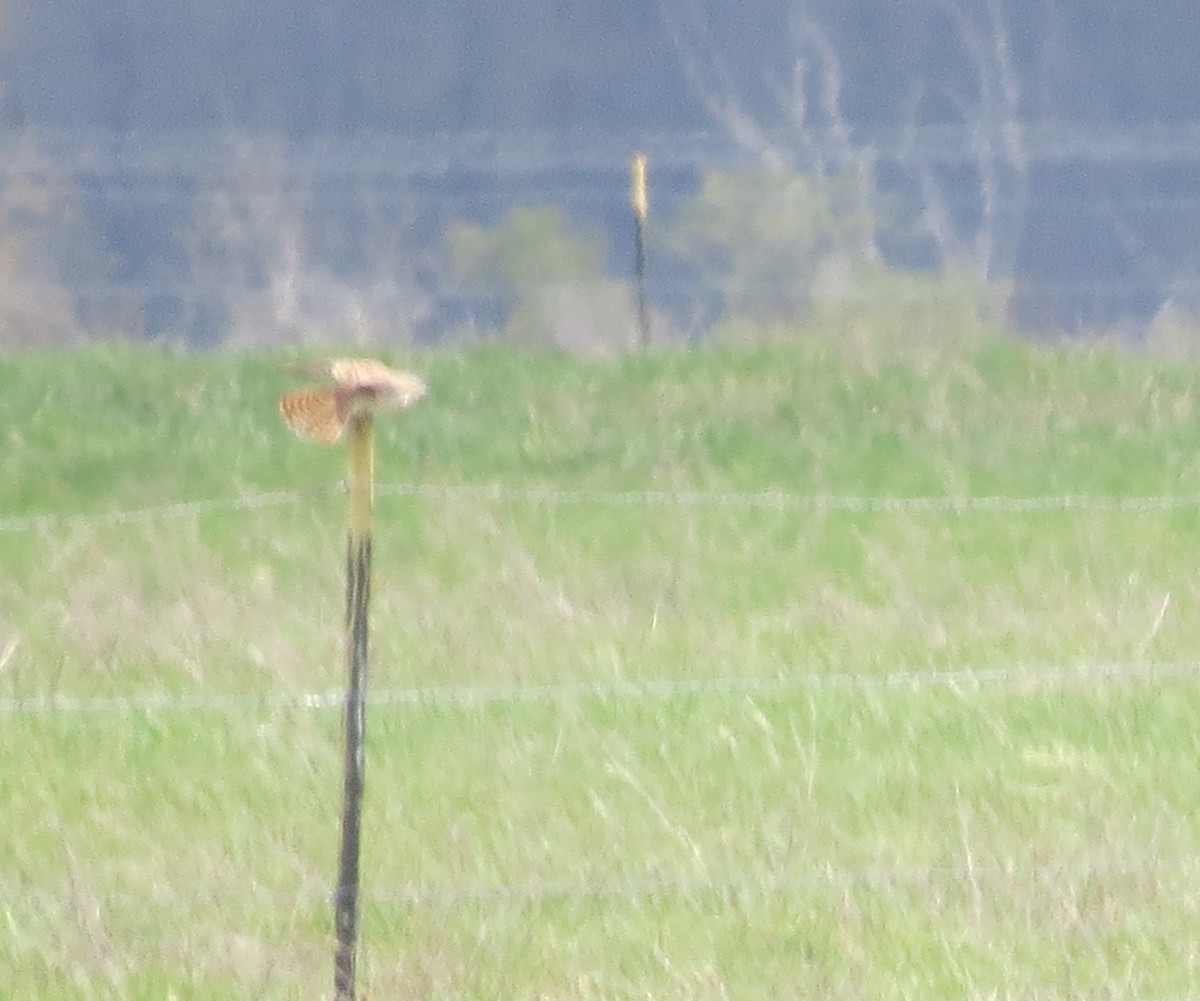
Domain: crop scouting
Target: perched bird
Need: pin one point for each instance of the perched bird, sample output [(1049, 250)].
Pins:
[(359, 385)]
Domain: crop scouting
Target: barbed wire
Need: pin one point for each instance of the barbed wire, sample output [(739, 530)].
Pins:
[(769, 883), (1028, 677), (465, 696), (164, 512), (765, 500), (1002, 879), (773, 884), (783, 500)]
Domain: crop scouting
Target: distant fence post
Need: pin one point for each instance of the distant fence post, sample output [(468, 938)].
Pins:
[(324, 414), (641, 209)]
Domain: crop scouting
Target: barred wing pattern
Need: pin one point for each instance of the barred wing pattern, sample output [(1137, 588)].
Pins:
[(315, 413), (359, 384)]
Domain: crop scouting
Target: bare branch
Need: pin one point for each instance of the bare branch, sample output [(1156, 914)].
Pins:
[(935, 215), (839, 127), (709, 76), (995, 119)]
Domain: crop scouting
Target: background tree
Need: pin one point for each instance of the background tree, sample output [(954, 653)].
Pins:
[(50, 255), (762, 240), (546, 276), (1045, 146), (278, 258)]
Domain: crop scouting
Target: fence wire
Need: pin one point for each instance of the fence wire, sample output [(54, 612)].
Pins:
[(1167, 871), (963, 679), (743, 885), (768, 500), (896, 679)]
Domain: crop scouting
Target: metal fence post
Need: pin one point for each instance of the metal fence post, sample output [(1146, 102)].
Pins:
[(326, 413)]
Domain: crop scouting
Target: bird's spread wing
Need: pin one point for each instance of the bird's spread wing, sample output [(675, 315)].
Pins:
[(360, 385), (319, 413)]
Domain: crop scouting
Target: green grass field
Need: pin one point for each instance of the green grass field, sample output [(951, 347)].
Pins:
[(644, 731)]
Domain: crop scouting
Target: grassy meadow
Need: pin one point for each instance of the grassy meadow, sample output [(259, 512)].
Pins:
[(650, 724)]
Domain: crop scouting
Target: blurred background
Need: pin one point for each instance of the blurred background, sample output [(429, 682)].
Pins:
[(861, 665), (244, 174)]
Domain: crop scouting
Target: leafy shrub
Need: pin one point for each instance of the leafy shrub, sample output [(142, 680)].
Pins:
[(547, 277)]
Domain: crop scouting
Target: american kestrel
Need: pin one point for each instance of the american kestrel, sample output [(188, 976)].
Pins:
[(359, 384)]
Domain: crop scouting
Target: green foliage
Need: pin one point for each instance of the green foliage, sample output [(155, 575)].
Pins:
[(533, 246), (873, 309), (546, 272), (1175, 331), (762, 238), (46, 239), (791, 252), (789, 822)]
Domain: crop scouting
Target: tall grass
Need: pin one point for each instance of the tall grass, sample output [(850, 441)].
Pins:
[(799, 816)]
